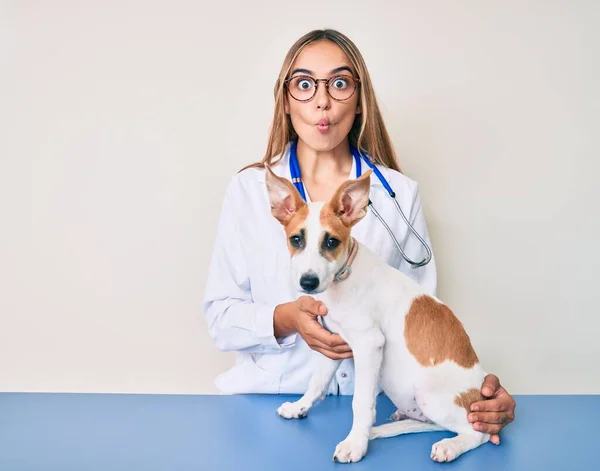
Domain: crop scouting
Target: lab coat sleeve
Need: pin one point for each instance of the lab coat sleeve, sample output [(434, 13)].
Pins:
[(235, 321), (426, 276)]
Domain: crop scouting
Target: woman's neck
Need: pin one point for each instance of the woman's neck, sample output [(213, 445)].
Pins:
[(319, 166)]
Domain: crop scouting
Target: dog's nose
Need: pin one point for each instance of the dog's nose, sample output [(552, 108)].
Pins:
[(309, 282)]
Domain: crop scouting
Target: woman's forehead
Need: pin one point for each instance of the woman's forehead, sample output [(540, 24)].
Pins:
[(322, 58)]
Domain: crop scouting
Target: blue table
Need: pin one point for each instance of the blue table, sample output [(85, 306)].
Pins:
[(236, 433)]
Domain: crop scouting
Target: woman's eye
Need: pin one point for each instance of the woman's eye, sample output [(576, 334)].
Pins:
[(340, 83), (332, 243), (304, 84)]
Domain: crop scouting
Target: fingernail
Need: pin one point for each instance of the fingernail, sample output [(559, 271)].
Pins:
[(478, 427), (487, 391), (472, 418), (474, 408)]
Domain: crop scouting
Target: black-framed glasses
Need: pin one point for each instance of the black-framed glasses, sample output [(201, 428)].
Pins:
[(339, 87)]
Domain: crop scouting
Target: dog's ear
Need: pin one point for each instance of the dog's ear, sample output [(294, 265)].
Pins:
[(284, 198), (351, 199)]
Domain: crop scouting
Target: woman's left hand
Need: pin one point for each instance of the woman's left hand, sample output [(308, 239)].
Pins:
[(495, 412)]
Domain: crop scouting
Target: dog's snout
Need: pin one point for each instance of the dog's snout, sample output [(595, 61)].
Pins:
[(309, 282)]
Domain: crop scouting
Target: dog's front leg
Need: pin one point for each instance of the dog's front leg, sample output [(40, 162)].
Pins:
[(367, 348), (317, 386)]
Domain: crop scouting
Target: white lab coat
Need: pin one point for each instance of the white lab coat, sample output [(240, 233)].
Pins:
[(249, 276)]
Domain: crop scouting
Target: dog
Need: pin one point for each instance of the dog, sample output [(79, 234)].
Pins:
[(405, 341)]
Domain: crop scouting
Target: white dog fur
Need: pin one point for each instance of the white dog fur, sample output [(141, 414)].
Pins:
[(402, 339)]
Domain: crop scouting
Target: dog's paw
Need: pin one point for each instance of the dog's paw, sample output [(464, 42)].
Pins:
[(351, 450), (398, 416), (292, 410), (445, 450)]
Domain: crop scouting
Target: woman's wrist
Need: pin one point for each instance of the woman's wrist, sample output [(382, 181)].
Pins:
[(284, 320)]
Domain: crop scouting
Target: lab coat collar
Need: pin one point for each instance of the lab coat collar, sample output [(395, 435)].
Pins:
[(282, 169)]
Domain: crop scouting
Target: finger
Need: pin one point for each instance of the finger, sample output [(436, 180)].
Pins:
[(316, 339), (491, 384), (311, 306), (332, 345), (333, 355), (495, 439), (334, 340), (502, 403), (316, 344), (318, 332), (487, 428), (501, 418), (342, 349)]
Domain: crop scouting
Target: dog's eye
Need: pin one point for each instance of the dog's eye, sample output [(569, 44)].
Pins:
[(296, 241), (332, 243)]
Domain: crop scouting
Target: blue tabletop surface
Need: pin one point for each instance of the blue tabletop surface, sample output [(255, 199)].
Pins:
[(235, 433)]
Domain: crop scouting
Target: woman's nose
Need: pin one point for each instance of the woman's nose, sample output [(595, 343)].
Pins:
[(322, 97)]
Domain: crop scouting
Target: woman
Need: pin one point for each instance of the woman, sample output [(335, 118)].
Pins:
[(324, 102)]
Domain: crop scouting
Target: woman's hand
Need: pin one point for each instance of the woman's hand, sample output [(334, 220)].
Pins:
[(301, 316), (491, 415)]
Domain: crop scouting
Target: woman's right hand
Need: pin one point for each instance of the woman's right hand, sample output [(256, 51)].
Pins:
[(301, 316)]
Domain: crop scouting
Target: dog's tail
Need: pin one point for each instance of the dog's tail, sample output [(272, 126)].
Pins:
[(401, 427)]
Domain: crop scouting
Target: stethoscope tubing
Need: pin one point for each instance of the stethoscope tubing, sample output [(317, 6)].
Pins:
[(358, 157)]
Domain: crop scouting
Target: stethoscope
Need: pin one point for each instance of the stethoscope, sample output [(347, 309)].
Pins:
[(297, 181)]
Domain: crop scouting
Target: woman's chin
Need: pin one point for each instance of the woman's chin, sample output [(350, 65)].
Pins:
[(322, 141)]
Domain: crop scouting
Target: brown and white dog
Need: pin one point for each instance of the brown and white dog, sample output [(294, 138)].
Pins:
[(408, 342)]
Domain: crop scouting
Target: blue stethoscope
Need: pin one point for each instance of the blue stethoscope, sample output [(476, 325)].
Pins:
[(297, 181)]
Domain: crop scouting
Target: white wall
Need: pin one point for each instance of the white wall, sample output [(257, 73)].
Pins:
[(121, 123)]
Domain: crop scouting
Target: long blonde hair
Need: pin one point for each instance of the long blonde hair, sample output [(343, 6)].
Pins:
[(368, 132)]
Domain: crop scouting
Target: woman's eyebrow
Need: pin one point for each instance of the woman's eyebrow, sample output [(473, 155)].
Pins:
[(302, 71), (339, 69), (310, 72)]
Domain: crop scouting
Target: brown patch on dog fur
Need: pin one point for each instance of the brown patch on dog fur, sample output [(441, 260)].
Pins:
[(294, 225), (433, 334), (331, 223), (466, 398), (342, 212)]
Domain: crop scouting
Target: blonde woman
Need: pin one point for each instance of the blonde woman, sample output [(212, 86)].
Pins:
[(325, 107)]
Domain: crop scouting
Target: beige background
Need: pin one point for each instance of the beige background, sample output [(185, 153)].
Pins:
[(122, 121)]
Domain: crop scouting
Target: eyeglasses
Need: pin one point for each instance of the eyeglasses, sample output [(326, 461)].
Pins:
[(304, 87)]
